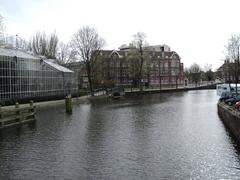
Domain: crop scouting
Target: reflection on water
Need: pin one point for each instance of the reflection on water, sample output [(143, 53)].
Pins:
[(172, 136)]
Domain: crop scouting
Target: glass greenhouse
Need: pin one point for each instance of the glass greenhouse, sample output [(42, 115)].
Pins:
[(25, 76)]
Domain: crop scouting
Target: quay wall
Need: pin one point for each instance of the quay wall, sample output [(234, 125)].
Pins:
[(83, 98), (231, 119), (154, 91), (38, 99)]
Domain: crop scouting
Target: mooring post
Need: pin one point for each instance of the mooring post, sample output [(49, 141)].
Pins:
[(31, 110), (17, 112), (68, 102), (16, 105), (1, 122), (31, 106), (0, 112)]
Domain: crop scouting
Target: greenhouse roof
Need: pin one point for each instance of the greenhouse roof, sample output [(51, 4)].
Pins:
[(14, 52), (56, 66)]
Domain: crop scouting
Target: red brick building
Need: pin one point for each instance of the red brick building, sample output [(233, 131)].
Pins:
[(163, 67), (227, 72)]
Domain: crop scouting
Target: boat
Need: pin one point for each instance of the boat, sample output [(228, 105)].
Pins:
[(117, 92)]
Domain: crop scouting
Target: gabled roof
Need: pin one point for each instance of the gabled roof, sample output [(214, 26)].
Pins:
[(14, 52), (153, 54), (56, 66), (225, 66)]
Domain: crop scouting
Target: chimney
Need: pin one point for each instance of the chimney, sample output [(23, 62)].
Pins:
[(162, 50)]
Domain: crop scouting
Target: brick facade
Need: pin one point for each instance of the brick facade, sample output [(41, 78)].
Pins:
[(162, 69)]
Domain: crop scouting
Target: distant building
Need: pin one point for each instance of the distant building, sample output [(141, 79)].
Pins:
[(25, 76), (80, 73), (159, 48), (226, 72), (164, 67)]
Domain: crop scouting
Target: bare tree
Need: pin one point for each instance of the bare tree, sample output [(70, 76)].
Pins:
[(195, 73), (2, 29), (52, 45), (40, 44), (138, 65), (21, 43), (1, 22), (134, 65), (209, 75), (87, 43), (65, 54), (233, 56), (187, 73), (139, 43)]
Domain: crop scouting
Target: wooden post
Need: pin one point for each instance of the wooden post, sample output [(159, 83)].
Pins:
[(17, 112), (1, 122), (0, 112), (31, 110), (31, 106), (68, 103), (17, 105)]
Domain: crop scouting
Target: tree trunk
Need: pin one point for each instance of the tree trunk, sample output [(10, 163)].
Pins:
[(160, 83), (140, 70), (89, 77), (237, 75), (159, 75), (176, 82)]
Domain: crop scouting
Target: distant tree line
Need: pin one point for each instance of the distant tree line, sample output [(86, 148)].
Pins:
[(195, 73)]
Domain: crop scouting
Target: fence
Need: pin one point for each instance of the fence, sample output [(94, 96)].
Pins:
[(16, 116)]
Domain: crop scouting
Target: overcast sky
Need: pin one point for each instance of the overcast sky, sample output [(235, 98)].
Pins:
[(197, 30)]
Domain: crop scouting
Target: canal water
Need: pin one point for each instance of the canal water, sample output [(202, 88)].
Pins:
[(168, 136)]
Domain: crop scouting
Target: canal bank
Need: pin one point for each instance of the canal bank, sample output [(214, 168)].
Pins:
[(87, 98), (231, 118), (168, 90), (49, 104)]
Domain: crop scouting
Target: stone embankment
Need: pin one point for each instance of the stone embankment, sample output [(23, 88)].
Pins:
[(153, 91), (102, 95), (231, 118)]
